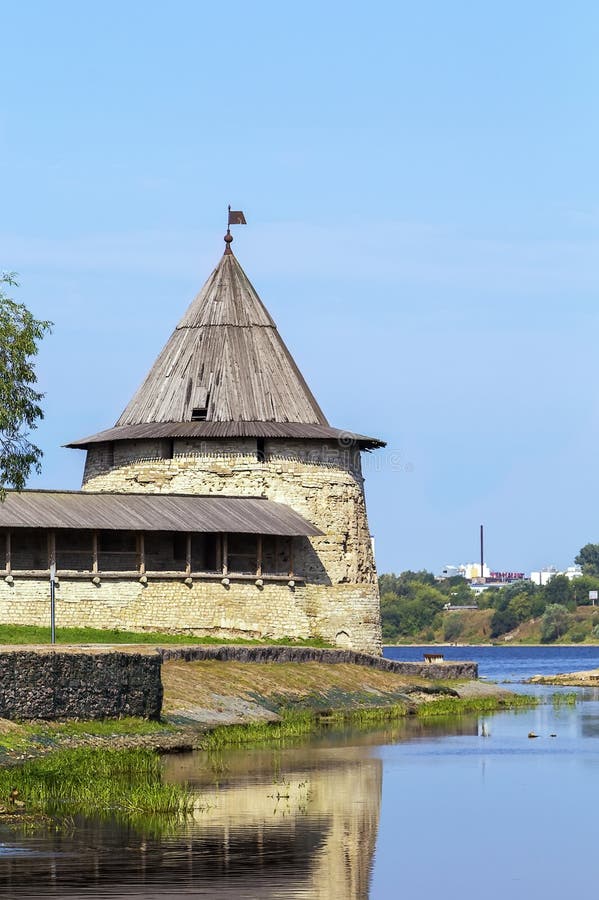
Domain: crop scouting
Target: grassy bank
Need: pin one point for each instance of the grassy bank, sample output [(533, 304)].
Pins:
[(277, 700), (33, 634), (128, 784), (122, 784)]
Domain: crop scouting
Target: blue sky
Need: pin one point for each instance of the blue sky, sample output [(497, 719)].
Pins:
[(420, 183)]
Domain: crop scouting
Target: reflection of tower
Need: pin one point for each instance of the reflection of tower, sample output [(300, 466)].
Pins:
[(315, 824), (343, 863)]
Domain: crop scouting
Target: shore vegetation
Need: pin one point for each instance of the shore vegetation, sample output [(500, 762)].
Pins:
[(414, 609)]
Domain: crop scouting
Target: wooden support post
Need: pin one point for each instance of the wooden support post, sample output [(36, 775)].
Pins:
[(291, 557), (225, 554), (141, 553), (259, 557), (51, 548), (8, 554), (95, 552), (188, 553)]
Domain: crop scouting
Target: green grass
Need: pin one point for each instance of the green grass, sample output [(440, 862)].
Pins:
[(452, 706), (299, 723), (570, 698), (34, 634), (31, 737), (126, 784)]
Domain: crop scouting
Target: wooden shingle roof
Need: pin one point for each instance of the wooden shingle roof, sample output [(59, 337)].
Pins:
[(224, 372), (224, 430), (226, 356)]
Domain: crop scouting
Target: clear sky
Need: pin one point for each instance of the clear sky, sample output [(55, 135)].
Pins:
[(420, 182)]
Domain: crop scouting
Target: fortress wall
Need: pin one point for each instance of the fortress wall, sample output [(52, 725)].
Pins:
[(342, 615), (340, 599)]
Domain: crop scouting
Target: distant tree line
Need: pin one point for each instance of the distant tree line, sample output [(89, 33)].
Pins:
[(412, 604)]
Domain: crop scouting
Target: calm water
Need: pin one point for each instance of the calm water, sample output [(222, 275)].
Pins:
[(418, 809)]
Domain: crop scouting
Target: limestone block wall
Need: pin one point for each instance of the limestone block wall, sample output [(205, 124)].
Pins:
[(320, 480), (206, 608)]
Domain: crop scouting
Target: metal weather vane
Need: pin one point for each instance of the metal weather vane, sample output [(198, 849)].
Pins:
[(236, 217)]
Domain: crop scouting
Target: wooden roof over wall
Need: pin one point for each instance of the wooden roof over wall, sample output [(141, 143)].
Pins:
[(151, 512)]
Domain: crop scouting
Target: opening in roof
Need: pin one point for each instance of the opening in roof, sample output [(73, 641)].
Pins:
[(199, 414)]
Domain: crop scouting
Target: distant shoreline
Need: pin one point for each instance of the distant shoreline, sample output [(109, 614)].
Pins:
[(505, 646)]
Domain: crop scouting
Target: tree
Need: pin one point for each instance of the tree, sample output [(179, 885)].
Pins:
[(581, 587), (503, 620), (20, 411), (554, 623), (559, 590), (588, 558)]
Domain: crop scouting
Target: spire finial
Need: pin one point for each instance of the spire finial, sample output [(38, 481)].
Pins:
[(235, 217)]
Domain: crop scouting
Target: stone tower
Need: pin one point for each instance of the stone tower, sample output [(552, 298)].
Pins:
[(225, 411)]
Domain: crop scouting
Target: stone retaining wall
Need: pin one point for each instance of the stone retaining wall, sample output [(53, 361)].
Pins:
[(92, 684), (235, 653), (68, 685)]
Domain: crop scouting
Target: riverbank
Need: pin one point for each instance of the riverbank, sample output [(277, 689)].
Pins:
[(200, 696)]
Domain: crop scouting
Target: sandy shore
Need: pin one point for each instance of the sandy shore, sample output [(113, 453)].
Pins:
[(588, 678)]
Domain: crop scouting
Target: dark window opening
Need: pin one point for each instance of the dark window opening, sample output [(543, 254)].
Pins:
[(29, 549), (117, 551), (260, 450), (180, 547), (204, 552), (74, 551), (200, 413), (242, 553), (161, 551)]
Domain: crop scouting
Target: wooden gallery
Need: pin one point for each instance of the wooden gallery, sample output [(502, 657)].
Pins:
[(221, 503)]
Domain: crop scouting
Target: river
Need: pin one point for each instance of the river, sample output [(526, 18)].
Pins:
[(418, 808)]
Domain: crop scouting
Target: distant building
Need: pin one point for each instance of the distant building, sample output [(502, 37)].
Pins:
[(544, 576)]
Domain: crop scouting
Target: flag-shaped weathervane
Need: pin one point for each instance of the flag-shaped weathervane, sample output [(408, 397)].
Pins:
[(236, 217)]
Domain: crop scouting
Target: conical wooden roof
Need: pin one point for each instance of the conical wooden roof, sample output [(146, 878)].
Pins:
[(225, 357), (225, 372)]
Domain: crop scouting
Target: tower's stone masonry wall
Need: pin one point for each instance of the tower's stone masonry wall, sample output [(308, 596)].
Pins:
[(342, 614), (320, 480)]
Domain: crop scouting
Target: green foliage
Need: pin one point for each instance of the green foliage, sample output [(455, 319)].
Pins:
[(503, 621), (588, 558), (20, 409), (411, 603), (554, 623), (559, 591), (582, 586), (521, 607), (578, 633)]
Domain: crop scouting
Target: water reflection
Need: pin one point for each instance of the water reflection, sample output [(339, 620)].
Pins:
[(297, 822)]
